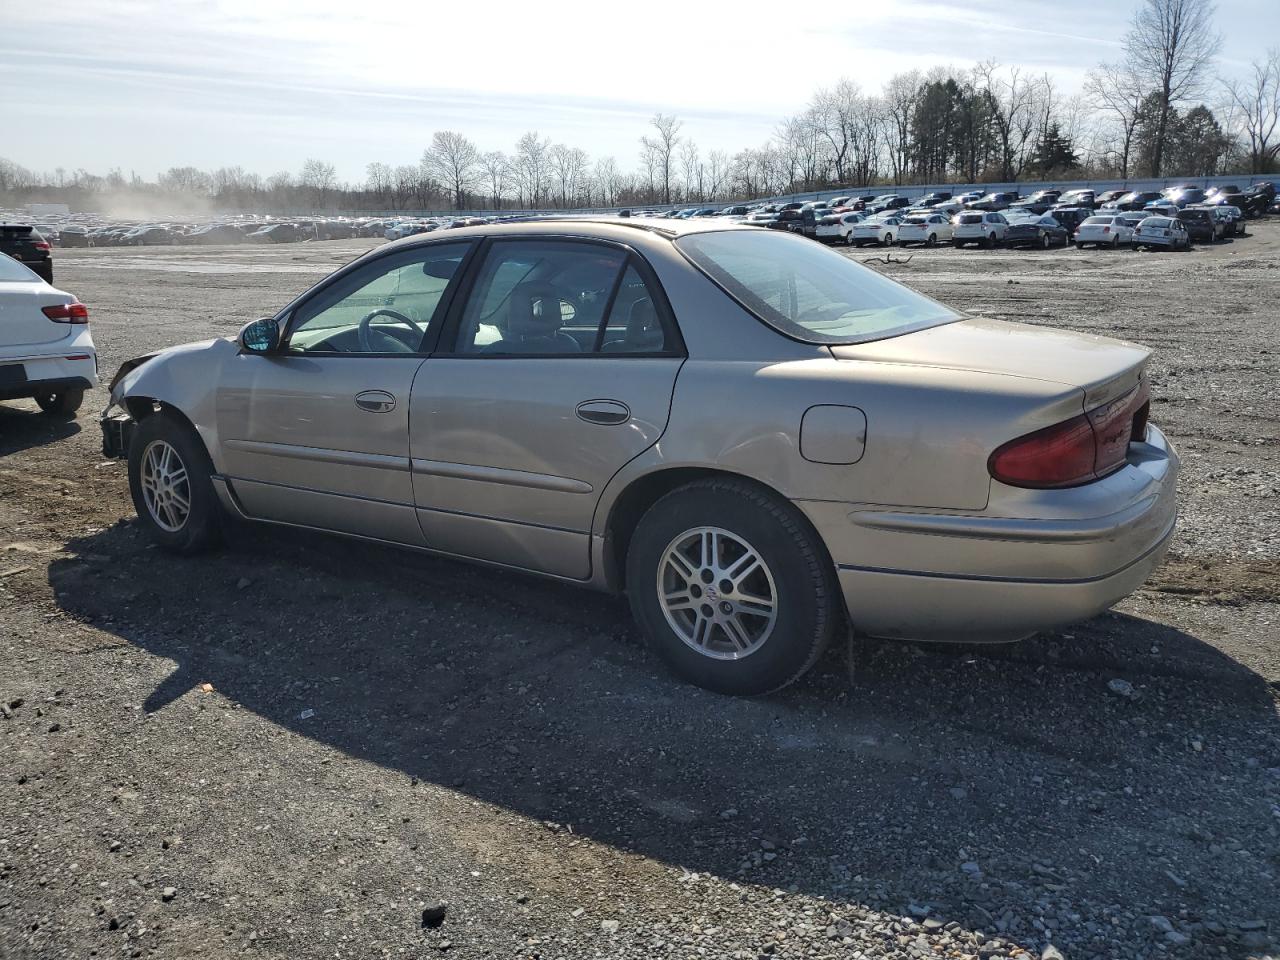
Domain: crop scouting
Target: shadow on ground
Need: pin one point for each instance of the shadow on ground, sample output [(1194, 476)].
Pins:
[(22, 428), (971, 784)]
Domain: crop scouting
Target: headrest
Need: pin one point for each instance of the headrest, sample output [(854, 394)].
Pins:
[(644, 330), (533, 311)]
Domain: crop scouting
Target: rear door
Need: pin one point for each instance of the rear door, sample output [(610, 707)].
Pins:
[(560, 366), (318, 433)]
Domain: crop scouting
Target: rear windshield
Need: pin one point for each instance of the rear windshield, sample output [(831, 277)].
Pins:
[(807, 291), (11, 271), (1098, 220), (971, 218)]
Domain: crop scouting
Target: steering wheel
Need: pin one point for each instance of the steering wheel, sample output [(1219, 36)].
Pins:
[(365, 330)]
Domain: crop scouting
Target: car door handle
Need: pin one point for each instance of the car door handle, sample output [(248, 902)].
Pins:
[(375, 401), (607, 412)]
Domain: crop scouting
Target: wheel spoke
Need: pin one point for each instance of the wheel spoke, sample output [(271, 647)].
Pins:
[(760, 606), (180, 500), (709, 548), (736, 632), (743, 567), (701, 630), (679, 600), (683, 568)]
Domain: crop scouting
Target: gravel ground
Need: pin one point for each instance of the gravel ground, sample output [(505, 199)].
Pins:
[(307, 747)]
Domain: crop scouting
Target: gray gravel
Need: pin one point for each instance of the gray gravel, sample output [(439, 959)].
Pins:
[(304, 747)]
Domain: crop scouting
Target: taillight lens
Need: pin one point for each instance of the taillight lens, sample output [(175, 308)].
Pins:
[(1077, 451), (67, 313), (42, 245)]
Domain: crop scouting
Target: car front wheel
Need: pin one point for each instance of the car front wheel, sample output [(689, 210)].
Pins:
[(732, 587), (169, 480)]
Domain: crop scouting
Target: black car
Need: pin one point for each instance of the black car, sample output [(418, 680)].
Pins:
[(1071, 217), (1000, 200), (1186, 196), (1200, 224), (1259, 199), (1079, 198), (1044, 231), (213, 233), (1138, 199), (1038, 203), (28, 247), (1109, 197)]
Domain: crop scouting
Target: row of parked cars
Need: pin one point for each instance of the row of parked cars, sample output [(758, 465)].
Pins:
[(1046, 218)]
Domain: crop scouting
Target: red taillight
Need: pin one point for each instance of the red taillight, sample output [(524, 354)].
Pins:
[(67, 313), (1079, 450), (42, 245), (1106, 229)]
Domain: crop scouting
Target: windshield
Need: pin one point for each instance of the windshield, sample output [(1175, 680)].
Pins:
[(807, 291)]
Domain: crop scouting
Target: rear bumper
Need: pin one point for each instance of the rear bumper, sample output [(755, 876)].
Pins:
[(45, 373), (1052, 558)]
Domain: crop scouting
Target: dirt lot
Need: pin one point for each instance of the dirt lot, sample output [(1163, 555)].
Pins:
[(294, 746)]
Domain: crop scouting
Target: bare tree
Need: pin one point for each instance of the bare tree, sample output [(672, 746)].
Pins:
[(1014, 101), (900, 96), (379, 178), (1256, 100), (319, 178), (1170, 47), (496, 169), (453, 159), (660, 150), (1117, 89), (532, 166), (608, 180)]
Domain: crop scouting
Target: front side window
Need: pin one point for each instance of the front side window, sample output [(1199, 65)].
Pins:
[(386, 306), (558, 298), (807, 291)]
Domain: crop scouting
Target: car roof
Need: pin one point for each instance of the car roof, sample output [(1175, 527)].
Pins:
[(622, 229)]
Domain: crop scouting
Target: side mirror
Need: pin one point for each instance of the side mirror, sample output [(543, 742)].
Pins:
[(260, 336)]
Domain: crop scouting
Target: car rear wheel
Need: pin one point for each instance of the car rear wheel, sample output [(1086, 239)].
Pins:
[(1115, 243), (887, 240), (732, 587), (60, 403), (991, 241), (169, 480), (1045, 241), (957, 244)]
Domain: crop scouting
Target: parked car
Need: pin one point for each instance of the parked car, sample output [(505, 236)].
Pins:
[(1016, 481), (1000, 200), (985, 228), (1104, 230), (1185, 196), (931, 199), (1038, 203), (1261, 198), (1201, 224), (1138, 199), (276, 233), (1071, 217), (1167, 232), (1078, 198), (880, 228), (838, 227), (1162, 208), (213, 233), (1108, 197), (1029, 230), (73, 235), (928, 229), (1232, 218), (21, 242), (46, 351), (965, 199)]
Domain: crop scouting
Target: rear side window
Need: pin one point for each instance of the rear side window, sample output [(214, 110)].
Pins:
[(807, 291), (11, 271)]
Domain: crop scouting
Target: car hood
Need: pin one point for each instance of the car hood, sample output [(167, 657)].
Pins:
[(1101, 366)]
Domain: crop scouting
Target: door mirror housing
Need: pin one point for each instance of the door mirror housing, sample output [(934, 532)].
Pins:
[(260, 336)]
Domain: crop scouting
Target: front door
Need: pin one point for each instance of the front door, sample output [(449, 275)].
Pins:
[(560, 372), (317, 434)]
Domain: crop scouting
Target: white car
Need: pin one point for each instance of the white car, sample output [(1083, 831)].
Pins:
[(880, 229), (838, 227), (929, 228), (976, 226), (46, 352), (1105, 230)]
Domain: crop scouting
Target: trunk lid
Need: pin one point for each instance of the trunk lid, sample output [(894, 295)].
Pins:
[(1104, 368), (22, 324)]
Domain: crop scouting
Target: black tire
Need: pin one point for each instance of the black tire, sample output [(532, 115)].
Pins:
[(202, 527), (931, 240), (806, 591), (1045, 241), (1079, 245), (1115, 243), (957, 244), (44, 271), (60, 403)]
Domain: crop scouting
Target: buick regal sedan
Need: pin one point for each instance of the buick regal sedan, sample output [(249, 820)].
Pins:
[(759, 441)]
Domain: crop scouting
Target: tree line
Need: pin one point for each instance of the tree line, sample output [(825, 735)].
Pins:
[(1157, 111)]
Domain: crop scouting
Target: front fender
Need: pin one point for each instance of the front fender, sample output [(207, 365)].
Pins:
[(184, 378)]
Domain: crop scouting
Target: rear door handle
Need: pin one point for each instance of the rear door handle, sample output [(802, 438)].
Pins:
[(375, 401), (606, 412)]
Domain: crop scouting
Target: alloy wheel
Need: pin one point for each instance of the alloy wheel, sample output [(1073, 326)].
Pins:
[(166, 489), (717, 593)]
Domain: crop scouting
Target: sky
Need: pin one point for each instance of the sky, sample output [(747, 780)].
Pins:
[(265, 84)]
